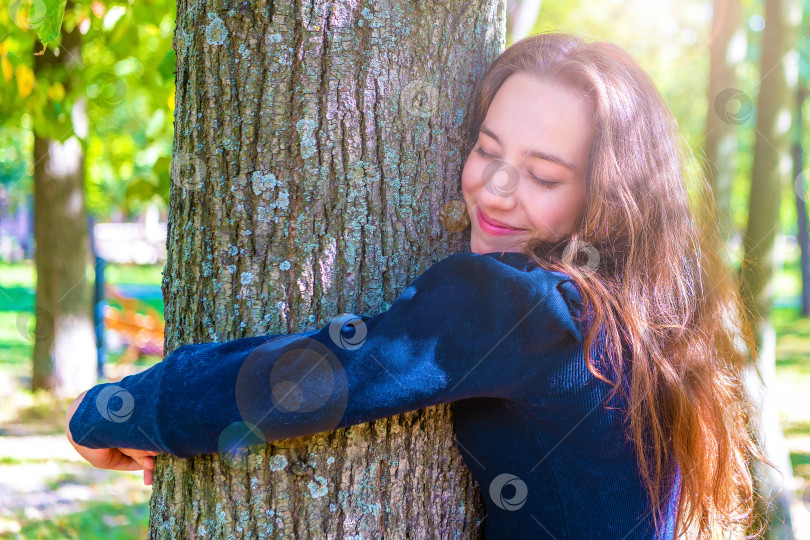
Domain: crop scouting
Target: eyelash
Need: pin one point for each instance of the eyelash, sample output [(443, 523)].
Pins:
[(546, 183)]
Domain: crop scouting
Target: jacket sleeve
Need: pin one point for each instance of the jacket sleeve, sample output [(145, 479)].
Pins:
[(469, 326)]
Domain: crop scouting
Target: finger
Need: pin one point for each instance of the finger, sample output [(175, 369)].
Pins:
[(129, 465), (148, 470), (138, 455), (123, 462), (147, 462)]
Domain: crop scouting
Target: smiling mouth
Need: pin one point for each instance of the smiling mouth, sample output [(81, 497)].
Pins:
[(494, 228)]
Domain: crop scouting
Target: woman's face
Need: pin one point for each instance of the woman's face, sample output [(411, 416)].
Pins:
[(526, 172)]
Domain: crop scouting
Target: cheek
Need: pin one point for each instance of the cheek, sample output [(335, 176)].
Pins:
[(558, 212), (468, 183), (573, 209), (576, 203)]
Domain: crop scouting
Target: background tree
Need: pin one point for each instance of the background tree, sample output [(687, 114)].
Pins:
[(801, 183), (727, 51), (100, 139), (770, 169), (520, 19), (64, 348), (315, 145)]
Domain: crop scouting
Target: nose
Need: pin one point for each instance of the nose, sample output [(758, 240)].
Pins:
[(500, 185)]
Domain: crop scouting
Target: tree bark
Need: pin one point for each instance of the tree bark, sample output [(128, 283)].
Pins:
[(64, 352), (314, 148), (770, 169)]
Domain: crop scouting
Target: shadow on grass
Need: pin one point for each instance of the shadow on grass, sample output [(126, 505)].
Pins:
[(27, 412)]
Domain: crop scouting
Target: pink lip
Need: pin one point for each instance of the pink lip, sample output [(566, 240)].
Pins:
[(490, 226)]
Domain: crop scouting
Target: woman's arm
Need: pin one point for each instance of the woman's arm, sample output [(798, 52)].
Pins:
[(469, 326), (120, 459)]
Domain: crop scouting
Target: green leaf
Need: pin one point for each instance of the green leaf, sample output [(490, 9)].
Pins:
[(166, 68), (123, 38), (140, 190), (48, 23)]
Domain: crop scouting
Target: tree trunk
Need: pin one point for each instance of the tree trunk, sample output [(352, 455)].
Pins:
[(771, 167), (521, 18), (728, 107), (314, 148), (64, 355), (801, 187)]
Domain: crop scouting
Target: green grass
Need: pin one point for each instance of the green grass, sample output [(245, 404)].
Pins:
[(21, 274), (17, 295), (800, 461), (793, 369), (134, 274), (99, 520), (17, 274)]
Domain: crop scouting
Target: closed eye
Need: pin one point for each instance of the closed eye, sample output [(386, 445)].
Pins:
[(480, 151), (545, 183)]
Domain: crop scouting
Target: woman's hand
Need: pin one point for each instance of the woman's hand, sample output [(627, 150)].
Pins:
[(119, 459)]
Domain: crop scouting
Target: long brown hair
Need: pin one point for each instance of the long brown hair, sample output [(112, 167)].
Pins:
[(676, 336)]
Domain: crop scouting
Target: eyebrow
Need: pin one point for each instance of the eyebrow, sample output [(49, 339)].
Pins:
[(538, 154)]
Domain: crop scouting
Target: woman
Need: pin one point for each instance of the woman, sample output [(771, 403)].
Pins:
[(572, 153)]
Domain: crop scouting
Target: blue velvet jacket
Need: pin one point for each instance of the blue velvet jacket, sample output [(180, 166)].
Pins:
[(492, 333)]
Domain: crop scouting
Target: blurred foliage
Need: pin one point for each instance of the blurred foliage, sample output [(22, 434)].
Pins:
[(126, 74)]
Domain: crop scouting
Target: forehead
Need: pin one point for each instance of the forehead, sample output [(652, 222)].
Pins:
[(529, 112)]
